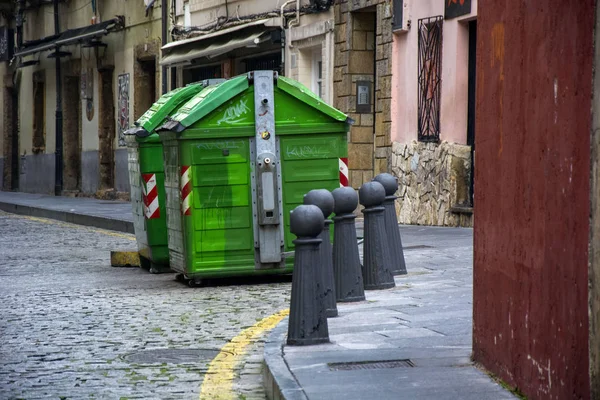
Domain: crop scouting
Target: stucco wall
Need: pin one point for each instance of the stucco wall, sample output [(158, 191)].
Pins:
[(455, 57), (530, 302)]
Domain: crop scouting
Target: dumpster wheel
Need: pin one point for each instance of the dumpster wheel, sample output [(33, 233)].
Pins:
[(194, 282)]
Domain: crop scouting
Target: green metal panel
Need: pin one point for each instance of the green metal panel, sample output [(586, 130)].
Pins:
[(165, 105), (215, 129), (220, 228), (151, 162), (306, 96), (209, 99), (234, 117), (228, 109), (308, 162)]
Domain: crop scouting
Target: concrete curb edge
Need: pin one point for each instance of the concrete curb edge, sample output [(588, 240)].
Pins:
[(279, 382), (70, 217)]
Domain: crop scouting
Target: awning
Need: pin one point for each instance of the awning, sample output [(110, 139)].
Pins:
[(184, 42), (71, 36), (214, 49)]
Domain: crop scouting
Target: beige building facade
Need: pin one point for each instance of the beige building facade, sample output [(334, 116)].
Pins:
[(109, 53), (221, 39), (113, 57)]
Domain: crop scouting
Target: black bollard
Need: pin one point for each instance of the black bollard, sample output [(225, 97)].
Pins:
[(346, 260), (377, 272), (390, 184), (324, 200), (307, 323)]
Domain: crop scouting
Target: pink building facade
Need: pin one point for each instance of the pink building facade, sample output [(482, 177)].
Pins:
[(432, 108)]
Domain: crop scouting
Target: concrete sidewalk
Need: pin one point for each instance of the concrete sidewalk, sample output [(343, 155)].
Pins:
[(410, 342), (104, 214)]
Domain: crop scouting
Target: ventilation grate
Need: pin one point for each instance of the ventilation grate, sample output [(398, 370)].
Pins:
[(352, 366)]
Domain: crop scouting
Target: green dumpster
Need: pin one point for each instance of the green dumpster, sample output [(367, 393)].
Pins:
[(239, 156), (146, 178)]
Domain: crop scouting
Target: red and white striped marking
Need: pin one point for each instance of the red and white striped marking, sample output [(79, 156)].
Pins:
[(343, 172), (186, 190), (150, 196)]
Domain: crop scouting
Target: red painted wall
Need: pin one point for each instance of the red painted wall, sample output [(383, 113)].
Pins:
[(534, 77)]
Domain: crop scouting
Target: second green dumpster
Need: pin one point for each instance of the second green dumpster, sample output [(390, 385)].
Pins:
[(146, 178), (239, 156)]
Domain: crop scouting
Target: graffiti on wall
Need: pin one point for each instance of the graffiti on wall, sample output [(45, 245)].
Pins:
[(123, 104)]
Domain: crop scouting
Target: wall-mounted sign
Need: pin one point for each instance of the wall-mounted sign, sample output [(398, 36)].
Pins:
[(363, 97), (456, 8), (123, 104)]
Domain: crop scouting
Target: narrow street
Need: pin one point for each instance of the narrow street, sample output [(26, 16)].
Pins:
[(73, 327)]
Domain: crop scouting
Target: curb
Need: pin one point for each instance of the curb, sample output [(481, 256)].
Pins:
[(70, 217), (279, 382)]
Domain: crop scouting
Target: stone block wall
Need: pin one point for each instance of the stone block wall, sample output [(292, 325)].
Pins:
[(434, 182), (363, 52)]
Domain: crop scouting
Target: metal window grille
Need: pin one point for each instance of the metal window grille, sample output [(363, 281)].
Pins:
[(202, 73), (264, 63), (430, 79)]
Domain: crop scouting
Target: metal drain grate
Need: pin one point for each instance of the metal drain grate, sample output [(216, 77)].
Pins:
[(416, 247), (352, 366)]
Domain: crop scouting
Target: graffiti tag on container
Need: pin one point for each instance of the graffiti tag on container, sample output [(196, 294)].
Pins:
[(234, 113), (307, 151), (221, 145)]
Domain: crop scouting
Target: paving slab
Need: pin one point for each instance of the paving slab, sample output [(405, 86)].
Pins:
[(105, 214), (410, 342)]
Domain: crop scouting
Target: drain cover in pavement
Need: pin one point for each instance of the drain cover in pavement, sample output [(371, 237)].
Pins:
[(418, 247), (351, 366), (171, 356)]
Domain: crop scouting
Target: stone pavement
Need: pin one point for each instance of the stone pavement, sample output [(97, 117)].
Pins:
[(73, 327), (409, 342), (69, 327)]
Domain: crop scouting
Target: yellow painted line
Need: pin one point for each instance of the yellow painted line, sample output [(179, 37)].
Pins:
[(218, 381), (68, 225)]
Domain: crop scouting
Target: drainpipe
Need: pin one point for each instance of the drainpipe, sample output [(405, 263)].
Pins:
[(164, 22), (375, 95), (20, 8), (58, 157), (283, 36)]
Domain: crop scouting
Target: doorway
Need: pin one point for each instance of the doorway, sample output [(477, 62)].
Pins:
[(145, 86), (106, 129), (72, 134), (472, 80)]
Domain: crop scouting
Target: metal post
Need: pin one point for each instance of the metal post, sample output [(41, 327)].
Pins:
[(308, 323), (346, 260), (377, 272), (58, 158), (390, 184), (324, 200)]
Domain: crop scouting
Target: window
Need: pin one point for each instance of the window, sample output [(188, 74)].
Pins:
[(264, 63), (198, 74), (317, 73), (429, 75), (39, 113)]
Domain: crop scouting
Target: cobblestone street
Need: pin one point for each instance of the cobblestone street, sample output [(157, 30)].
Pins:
[(73, 327)]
